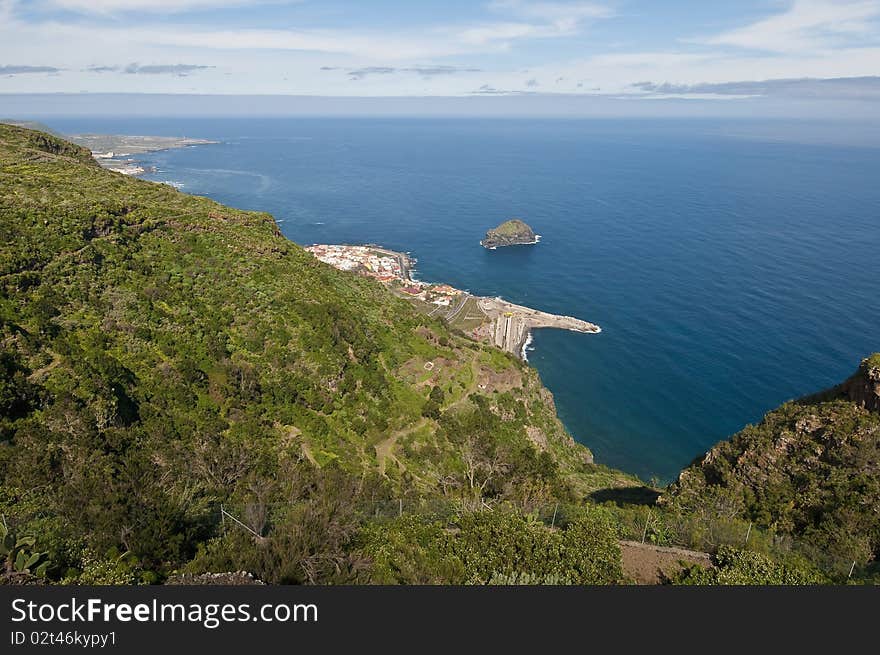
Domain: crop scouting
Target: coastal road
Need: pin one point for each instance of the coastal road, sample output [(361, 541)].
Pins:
[(455, 312), (533, 318)]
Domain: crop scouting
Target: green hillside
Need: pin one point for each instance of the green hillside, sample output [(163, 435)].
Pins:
[(809, 473), (163, 355), (182, 389)]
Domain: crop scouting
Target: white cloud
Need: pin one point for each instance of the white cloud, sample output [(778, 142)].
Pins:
[(616, 72), (806, 39), (536, 20), (541, 20), (153, 6), (505, 32), (385, 47), (807, 25), (563, 13)]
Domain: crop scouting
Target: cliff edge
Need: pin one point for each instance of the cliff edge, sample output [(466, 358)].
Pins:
[(809, 471)]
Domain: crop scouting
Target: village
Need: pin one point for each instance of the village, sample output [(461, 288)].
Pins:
[(391, 268)]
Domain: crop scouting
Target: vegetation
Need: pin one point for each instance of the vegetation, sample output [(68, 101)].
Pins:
[(183, 389), (164, 355), (18, 554), (513, 227), (31, 125), (494, 548), (743, 567), (809, 473)]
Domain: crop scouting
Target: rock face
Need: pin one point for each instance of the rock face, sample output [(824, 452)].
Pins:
[(510, 233), (810, 470), (863, 388)]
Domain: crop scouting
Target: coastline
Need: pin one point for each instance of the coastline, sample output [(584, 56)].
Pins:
[(406, 261), (525, 347), (500, 323), (119, 153)]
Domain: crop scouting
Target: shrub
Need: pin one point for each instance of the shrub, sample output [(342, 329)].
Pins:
[(744, 567), (493, 547)]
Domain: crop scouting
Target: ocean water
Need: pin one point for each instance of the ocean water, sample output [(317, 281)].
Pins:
[(732, 265)]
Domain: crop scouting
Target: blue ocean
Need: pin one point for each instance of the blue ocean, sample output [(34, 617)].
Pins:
[(732, 265)]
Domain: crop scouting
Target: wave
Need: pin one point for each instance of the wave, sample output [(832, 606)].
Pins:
[(265, 180), (526, 347)]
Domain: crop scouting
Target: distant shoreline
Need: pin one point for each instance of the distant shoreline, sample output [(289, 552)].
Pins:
[(118, 152)]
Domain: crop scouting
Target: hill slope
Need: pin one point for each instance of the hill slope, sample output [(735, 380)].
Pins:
[(163, 353), (810, 470)]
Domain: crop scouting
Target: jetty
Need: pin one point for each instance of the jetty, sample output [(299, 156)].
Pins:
[(512, 323)]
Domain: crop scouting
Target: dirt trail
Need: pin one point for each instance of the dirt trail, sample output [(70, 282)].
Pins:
[(385, 448), (41, 373), (643, 563)]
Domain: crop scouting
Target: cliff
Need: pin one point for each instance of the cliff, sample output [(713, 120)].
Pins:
[(810, 470), (862, 388)]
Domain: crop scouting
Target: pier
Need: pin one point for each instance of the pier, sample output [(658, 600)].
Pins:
[(511, 323)]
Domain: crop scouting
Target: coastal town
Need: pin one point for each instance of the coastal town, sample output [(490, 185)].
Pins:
[(393, 269), (492, 320)]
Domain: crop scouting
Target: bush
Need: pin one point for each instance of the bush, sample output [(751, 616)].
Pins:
[(111, 570), (744, 567), (493, 547)]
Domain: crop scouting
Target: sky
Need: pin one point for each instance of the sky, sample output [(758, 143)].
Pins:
[(789, 52)]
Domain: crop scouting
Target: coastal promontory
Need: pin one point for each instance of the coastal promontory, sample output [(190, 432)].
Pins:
[(510, 233)]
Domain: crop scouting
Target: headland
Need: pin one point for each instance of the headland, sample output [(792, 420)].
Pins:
[(119, 153), (495, 321)]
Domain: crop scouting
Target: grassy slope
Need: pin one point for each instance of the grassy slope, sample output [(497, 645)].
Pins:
[(192, 323)]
